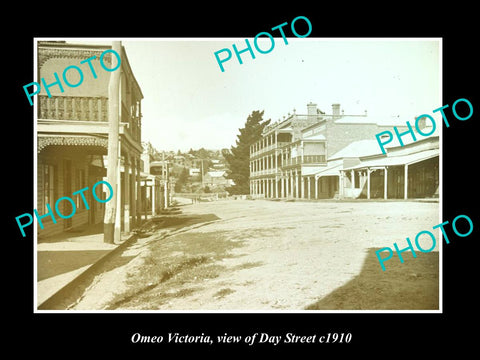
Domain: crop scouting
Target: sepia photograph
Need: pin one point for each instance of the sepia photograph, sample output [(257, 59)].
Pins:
[(275, 174)]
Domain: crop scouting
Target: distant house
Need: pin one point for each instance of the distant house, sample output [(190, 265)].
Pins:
[(216, 178), (189, 160), (218, 165), (179, 160), (194, 172)]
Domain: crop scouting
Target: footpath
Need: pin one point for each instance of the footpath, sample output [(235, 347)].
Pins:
[(66, 257)]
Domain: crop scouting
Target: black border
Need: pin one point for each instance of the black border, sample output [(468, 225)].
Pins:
[(98, 334)]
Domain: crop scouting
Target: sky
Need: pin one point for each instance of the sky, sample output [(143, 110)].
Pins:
[(190, 103)]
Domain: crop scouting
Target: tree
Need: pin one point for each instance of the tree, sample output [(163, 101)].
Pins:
[(238, 158), (207, 164), (202, 154), (181, 181)]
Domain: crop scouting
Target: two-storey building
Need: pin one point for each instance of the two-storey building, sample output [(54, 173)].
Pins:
[(285, 161), (72, 137)]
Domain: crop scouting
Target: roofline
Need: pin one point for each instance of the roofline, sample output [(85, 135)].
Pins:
[(124, 56), (54, 43), (396, 147), (425, 139), (313, 125), (366, 166)]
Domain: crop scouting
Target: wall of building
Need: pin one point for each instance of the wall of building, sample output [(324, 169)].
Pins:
[(90, 87), (313, 148), (376, 184), (82, 175), (423, 179), (339, 135), (146, 159), (327, 187), (298, 123)]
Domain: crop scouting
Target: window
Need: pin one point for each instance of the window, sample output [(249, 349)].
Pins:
[(49, 186)]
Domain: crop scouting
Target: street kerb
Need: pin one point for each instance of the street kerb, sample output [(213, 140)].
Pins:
[(66, 290)]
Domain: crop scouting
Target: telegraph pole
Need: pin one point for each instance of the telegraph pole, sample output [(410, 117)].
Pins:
[(167, 190), (113, 147), (165, 180)]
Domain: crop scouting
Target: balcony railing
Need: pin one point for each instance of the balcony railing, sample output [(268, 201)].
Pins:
[(314, 159), (307, 159), (73, 108), (264, 172), (273, 146), (84, 109)]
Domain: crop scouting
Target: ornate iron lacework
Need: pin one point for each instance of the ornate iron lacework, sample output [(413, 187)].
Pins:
[(45, 54), (45, 141)]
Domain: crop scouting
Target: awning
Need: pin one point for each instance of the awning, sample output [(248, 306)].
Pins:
[(396, 160), (332, 170)]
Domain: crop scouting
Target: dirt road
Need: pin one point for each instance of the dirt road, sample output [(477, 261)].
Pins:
[(269, 255)]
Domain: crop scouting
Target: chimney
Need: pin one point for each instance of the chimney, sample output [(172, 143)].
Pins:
[(336, 110), (312, 111)]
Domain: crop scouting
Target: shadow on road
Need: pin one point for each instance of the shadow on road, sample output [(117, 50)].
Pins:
[(74, 290), (52, 263), (176, 221), (413, 285), (85, 232)]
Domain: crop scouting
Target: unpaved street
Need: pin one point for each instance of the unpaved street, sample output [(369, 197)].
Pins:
[(273, 255)]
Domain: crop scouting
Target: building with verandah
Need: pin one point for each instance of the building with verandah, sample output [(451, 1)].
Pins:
[(72, 137), (294, 157)]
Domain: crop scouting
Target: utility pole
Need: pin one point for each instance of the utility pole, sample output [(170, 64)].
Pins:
[(202, 177), (167, 190), (165, 180), (113, 148)]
